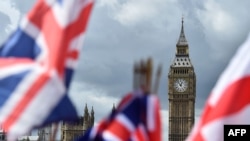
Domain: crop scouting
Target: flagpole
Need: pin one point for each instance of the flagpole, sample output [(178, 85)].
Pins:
[(143, 76), (157, 79), (148, 75)]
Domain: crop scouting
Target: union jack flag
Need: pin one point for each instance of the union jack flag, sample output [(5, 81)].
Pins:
[(37, 63), (137, 118)]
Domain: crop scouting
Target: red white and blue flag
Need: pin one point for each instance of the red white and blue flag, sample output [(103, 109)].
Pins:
[(37, 63), (229, 102), (137, 118)]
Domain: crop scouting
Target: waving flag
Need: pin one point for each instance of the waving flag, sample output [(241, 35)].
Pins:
[(137, 118), (37, 63), (229, 102)]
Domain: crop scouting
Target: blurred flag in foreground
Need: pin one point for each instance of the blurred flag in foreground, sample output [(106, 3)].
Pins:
[(37, 62), (137, 118), (229, 102)]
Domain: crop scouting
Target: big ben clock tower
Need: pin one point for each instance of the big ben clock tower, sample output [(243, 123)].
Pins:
[(181, 91)]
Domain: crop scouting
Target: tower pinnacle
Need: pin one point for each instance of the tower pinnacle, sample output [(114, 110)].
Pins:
[(92, 111), (182, 39), (113, 108), (182, 20)]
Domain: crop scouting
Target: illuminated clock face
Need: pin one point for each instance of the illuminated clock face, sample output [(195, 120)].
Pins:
[(180, 85)]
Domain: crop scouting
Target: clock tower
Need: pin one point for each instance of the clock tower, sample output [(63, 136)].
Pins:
[(181, 91)]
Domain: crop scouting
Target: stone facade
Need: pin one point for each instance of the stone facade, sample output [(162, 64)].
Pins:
[(72, 130), (45, 133), (181, 92)]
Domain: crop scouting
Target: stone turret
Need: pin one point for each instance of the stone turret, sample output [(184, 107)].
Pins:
[(92, 117), (86, 118), (72, 130)]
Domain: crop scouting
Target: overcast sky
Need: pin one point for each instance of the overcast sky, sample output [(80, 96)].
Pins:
[(121, 32)]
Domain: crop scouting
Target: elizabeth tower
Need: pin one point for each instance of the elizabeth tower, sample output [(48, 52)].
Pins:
[(181, 91)]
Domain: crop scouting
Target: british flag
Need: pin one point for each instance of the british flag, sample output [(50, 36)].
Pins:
[(137, 118), (37, 63)]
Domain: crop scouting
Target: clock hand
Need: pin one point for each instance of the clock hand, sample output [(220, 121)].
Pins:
[(179, 82)]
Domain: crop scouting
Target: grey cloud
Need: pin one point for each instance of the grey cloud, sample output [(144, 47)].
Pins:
[(24, 7), (5, 21)]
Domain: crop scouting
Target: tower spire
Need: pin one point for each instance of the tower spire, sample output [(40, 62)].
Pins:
[(113, 108), (86, 109), (92, 117), (182, 39), (182, 20), (92, 111)]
